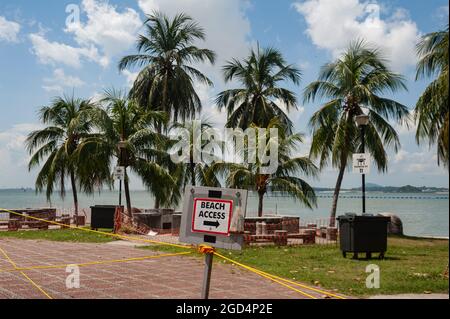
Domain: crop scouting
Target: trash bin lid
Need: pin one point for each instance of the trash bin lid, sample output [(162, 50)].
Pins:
[(366, 217), (347, 216)]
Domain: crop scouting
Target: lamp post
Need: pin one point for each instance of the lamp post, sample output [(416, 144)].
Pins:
[(121, 146), (362, 121)]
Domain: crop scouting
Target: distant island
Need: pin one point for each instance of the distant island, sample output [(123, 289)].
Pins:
[(369, 187), (392, 189)]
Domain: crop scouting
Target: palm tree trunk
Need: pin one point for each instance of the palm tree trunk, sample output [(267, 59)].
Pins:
[(337, 189), (159, 130), (127, 194), (75, 196), (192, 170), (260, 203)]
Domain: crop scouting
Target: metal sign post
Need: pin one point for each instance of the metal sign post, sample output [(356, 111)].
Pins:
[(207, 275), (361, 165), (213, 218)]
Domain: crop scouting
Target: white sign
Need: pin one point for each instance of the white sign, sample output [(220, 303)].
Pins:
[(119, 173), (212, 216), (361, 163)]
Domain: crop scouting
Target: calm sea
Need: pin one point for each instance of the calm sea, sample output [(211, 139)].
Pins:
[(422, 214)]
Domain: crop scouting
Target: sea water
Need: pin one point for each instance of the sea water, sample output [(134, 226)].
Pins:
[(422, 214)]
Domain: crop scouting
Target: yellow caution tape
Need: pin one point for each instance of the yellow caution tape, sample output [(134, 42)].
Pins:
[(273, 277), (23, 274), (99, 232), (202, 249), (92, 263)]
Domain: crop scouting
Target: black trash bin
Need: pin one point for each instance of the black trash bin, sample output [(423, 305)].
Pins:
[(363, 234), (102, 216)]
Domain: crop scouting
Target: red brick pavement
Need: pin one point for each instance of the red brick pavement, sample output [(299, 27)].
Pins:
[(176, 277)]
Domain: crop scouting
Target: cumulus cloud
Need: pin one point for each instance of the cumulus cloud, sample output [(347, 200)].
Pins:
[(14, 159), (54, 53), (422, 161), (12, 145), (60, 80), (105, 34), (227, 27), (106, 28), (8, 30), (347, 20)]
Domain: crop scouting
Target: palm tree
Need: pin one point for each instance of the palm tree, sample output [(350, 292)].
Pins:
[(67, 123), (166, 51), (260, 98), (352, 83), (127, 136), (431, 112), (284, 179), (195, 173)]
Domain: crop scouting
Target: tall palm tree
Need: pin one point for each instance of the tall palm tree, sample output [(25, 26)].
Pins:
[(431, 112), (166, 53), (126, 135), (261, 97), (352, 83), (67, 123), (195, 173), (284, 179)]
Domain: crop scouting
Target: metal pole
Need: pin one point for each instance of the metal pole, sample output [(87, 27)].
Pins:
[(207, 275), (120, 181), (363, 150), (120, 193)]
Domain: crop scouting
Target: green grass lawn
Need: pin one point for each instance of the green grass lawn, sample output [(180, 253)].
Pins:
[(411, 266), (70, 235)]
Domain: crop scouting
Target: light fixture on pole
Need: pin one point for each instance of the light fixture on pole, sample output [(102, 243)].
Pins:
[(362, 121)]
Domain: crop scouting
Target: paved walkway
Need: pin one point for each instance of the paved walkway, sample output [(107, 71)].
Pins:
[(176, 277)]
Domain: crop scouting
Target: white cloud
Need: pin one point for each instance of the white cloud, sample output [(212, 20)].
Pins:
[(226, 25), (294, 114), (8, 30), (105, 34), (130, 77), (210, 112), (14, 158), (442, 14), (332, 24), (60, 80), (400, 156), (409, 127), (111, 31), (13, 139), (59, 53), (423, 161)]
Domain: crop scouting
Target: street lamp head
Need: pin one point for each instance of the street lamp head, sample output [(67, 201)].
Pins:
[(362, 120)]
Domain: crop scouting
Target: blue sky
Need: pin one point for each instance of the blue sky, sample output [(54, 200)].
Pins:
[(41, 57)]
